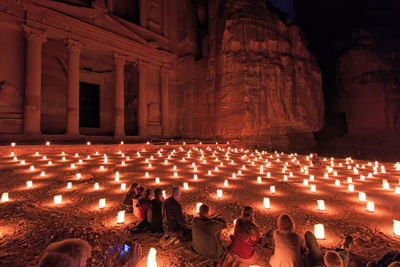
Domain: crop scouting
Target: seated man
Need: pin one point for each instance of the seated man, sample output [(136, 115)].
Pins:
[(205, 235), (154, 214), (173, 220), (67, 253)]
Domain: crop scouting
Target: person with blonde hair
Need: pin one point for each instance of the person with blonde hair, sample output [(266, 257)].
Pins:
[(289, 246), (72, 252)]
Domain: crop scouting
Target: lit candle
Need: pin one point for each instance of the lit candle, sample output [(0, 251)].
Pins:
[(117, 176), (4, 197), (319, 231), (12, 144), (219, 193), (185, 186), (146, 175), (350, 188), (195, 177), (78, 175), (102, 203), (58, 199), (47, 143), (123, 187), (151, 258), (370, 206), (164, 194), (313, 188), (42, 174), (349, 180), (157, 180), (397, 190), (233, 175), (121, 216), (311, 177), (259, 179), (96, 186), (268, 175), (69, 185), (386, 186), (28, 184), (175, 174), (362, 196), (321, 205), (226, 183), (272, 189), (72, 166), (396, 227), (337, 182), (305, 182), (198, 204), (266, 203)]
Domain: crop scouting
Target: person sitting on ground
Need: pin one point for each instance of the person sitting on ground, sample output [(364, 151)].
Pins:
[(392, 258), (288, 245), (72, 252), (143, 205), (206, 235), (332, 259), (154, 215), (127, 204), (174, 222), (246, 238)]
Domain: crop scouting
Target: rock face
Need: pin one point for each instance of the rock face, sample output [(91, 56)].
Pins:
[(270, 84)]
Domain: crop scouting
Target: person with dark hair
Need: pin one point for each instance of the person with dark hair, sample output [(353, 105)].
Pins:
[(72, 252), (154, 215), (174, 222), (206, 235), (143, 205), (127, 203), (246, 238), (289, 246)]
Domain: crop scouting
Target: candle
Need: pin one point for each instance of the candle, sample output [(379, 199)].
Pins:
[(146, 175), (164, 194), (313, 188), (185, 186), (305, 182), (311, 177), (32, 168), (28, 184), (157, 180), (78, 175), (117, 176), (123, 187), (396, 227), (362, 178), (12, 144), (268, 175), (198, 204), (101, 168), (319, 231), (42, 174), (102, 203), (69, 185), (362, 196), (195, 177), (233, 175), (397, 190), (326, 176), (370, 206), (151, 258), (57, 199), (47, 143), (266, 203), (175, 174), (386, 186), (219, 193), (226, 183), (72, 166), (349, 180), (337, 182), (272, 189), (259, 179), (96, 186), (4, 197), (121, 216), (321, 205), (350, 188)]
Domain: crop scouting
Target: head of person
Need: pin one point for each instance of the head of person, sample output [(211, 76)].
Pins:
[(248, 214), (158, 193), (147, 194), (133, 187), (286, 223), (204, 211), (333, 259), (395, 264), (140, 190), (176, 193), (246, 226), (72, 251)]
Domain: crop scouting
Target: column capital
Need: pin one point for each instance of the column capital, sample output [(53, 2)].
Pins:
[(33, 33), (118, 58), (73, 45)]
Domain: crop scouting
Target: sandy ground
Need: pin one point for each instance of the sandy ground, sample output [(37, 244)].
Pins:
[(30, 220)]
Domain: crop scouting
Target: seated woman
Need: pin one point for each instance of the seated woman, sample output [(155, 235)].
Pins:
[(127, 204), (246, 238), (143, 205), (289, 246)]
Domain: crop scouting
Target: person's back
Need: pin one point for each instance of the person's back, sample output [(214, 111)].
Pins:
[(154, 215), (205, 235), (143, 206), (172, 216)]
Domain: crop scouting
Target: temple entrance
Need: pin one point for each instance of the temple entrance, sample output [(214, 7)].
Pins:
[(89, 105)]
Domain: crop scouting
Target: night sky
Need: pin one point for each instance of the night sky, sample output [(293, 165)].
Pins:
[(286, 6)]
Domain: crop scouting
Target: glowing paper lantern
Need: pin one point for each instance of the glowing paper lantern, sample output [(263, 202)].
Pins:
[(123, 187), (175, 174), (362, 178), (396, 227), (164, 194), (267, 203), (362, 196), (268, 175), (326, 176), (370, 206), (157, 180), (12, 144), (319, 231), (219, 193), (117, 176), (57, 199), (233, 175), (350, 188), (386, 186), (101, 168), (305, 182), (272, 189), (22, 162), (72, 166), (198, 204), (32, 168), (397, 190), (28, 184), (121, 216), (337, 182), (102, 203), (321, 204), (349, 180), (311, 177), (96, 186), (259, 179), (151, 258), (285, 178), (78, 175), (69, 185), (185, 186), (209, 172), (42, 174), (4, 197), (226, 183), (195, 177)]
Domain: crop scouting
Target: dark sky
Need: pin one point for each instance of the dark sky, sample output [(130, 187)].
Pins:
[(286, 6)]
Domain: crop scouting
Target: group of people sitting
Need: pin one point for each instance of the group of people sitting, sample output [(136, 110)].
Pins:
[(247, 246)]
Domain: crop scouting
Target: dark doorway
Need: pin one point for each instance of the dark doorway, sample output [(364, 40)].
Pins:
[(89, 105)]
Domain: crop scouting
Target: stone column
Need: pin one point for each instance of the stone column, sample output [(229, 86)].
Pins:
[(142, 98), (143, 13), (33, 79), (74, 50), (165, 101), (164, 16), (119, 102)]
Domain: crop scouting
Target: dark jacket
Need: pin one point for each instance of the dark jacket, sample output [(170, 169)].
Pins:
[(172, 216), (205, 237), (154, 215)]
